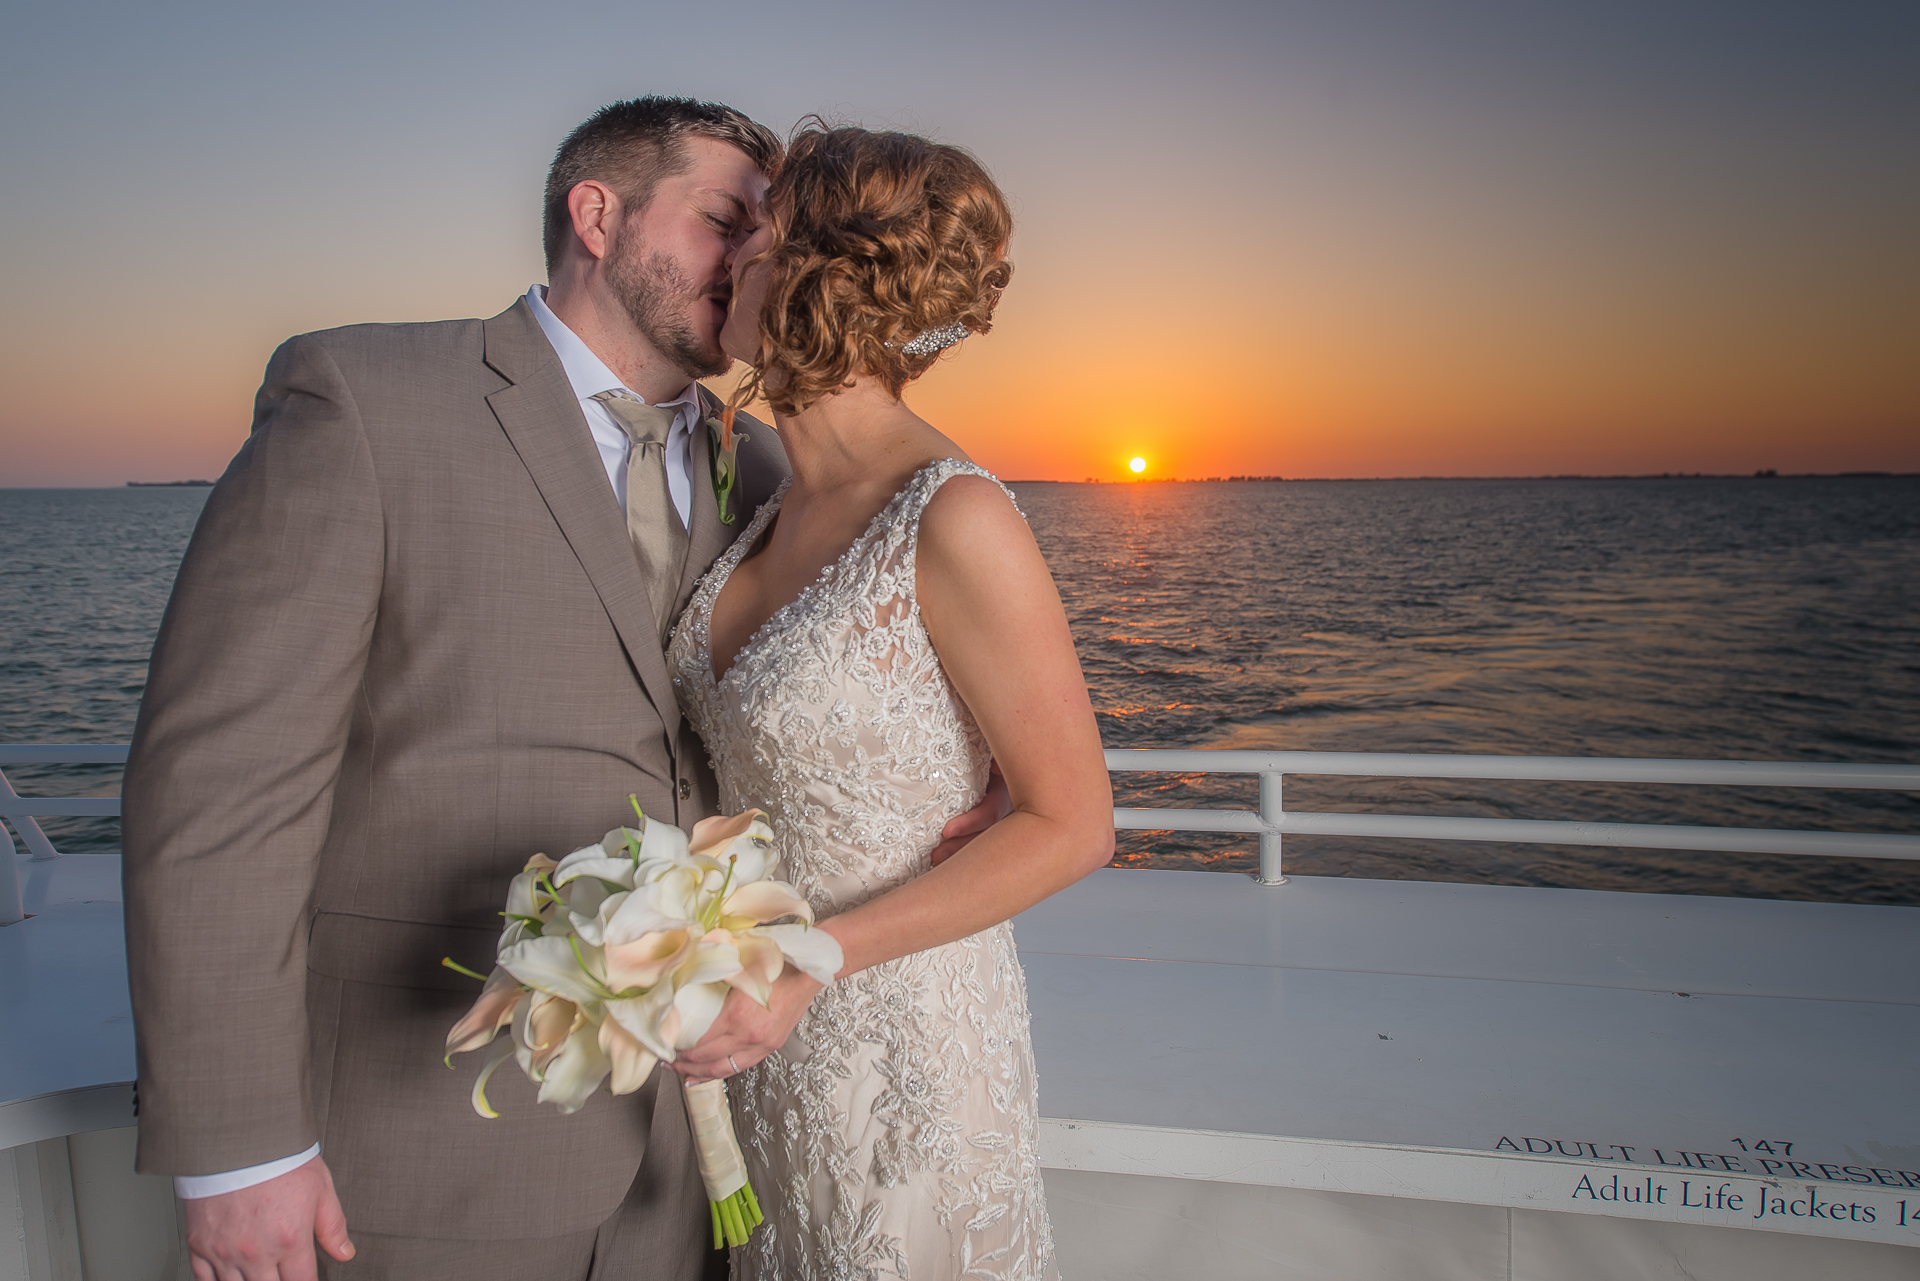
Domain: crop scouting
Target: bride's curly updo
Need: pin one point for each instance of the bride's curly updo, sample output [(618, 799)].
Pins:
[(877, 237)]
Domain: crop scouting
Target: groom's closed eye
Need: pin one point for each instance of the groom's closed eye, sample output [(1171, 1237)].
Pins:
[(735, 234), (732, 220)]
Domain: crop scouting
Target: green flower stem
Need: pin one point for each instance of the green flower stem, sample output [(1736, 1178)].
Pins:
[(710, 917), (458, 968), (735, 1217), (599, 981)]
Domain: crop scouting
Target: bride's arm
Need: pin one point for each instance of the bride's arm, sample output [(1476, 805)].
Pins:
[(996, 621), (990, 606)]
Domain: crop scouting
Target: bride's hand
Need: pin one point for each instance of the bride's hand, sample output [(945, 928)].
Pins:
[(746, 1032)]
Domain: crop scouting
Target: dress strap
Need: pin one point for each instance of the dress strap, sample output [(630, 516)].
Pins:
[(927, 481)]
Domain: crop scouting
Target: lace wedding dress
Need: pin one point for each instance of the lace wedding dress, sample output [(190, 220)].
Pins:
[(895, 1136)]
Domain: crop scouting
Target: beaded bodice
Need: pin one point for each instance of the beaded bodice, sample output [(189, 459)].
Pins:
[(836, 715)]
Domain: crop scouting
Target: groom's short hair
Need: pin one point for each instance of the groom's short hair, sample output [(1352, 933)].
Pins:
[(632, 145)]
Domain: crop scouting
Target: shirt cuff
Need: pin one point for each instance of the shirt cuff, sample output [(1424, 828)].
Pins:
[(192, 1187)]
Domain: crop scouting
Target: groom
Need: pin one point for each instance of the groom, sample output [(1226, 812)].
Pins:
[(416, 638)]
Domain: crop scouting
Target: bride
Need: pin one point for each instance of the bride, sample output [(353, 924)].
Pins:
[(881, 634)]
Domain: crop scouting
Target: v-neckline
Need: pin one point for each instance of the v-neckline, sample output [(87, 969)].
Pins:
[(827, 571)]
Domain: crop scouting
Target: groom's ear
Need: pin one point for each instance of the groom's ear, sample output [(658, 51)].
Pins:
[(596, 213)]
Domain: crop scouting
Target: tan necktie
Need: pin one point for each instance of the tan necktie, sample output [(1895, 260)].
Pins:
[(653, 525)]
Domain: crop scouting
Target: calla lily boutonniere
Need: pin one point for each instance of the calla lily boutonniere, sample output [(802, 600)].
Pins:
[(726, 460)]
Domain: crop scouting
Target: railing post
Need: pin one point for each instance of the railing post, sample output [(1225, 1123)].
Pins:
[(13, 908), (1270, 809), (38, 846)]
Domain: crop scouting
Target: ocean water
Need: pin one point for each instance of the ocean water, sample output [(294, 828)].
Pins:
[(1703, 618)]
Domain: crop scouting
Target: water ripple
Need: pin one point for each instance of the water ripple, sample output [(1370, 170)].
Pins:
[(1764, 620)]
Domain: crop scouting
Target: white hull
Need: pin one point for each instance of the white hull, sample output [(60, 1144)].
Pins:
[(72, 1209)]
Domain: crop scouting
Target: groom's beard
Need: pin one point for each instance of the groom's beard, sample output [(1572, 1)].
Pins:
[(657, 296)]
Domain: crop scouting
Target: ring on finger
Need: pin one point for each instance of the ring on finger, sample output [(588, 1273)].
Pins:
[(733, 1065)]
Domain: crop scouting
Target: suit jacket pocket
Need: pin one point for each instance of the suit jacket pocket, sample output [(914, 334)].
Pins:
[(406, 954)]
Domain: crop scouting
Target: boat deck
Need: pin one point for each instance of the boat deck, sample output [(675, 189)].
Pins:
[(1728, 1062), (1732, 1062), (66, 1059)]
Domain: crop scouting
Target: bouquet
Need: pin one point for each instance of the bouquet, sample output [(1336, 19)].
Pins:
[(621, 954)]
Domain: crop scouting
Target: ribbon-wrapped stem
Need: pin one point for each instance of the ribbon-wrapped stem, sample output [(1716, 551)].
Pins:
[(736, 1211)]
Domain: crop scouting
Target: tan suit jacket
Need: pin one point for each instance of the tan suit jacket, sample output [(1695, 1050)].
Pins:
[(409, 646)]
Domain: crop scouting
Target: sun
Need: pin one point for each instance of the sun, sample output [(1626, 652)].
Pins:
[(1137, 466)]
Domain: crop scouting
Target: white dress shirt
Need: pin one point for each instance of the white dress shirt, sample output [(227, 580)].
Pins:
[(589, 376)]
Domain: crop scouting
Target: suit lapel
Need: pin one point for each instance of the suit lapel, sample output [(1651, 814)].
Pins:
[(542, 419)]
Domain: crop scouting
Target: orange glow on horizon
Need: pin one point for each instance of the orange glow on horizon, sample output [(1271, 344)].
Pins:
[(1510, 249)]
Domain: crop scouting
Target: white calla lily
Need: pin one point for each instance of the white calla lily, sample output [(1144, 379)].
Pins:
[(645, 961), (813, 951), (591, 862), (760, 964), (743, 842), (575, 1072), (698, 1006), (487, 1069), (715, 958), (491, 1012), (649, 1018), (661, 843), (762, 902), (700, 985), (583, 896), (552, 964), (632, 1062), (540, 1031), (675, 894), (638, 914), (593, 929), (525, 899)]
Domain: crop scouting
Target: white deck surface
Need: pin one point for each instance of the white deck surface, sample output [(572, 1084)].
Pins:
[(66, 1024), (1400, 1038), (1379, 1037)]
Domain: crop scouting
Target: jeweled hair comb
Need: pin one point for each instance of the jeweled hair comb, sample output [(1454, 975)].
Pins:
[(929, 341)]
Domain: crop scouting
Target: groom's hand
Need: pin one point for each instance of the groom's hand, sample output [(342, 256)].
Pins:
[(266, 1232), (960, 829)]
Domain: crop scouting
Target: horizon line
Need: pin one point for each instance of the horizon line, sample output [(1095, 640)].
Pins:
[(1763, 474)]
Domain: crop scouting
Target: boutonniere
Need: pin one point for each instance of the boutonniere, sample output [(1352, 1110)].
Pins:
[(726, 460)]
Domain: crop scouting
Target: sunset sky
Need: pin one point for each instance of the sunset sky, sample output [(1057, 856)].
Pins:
[(1331, 239)]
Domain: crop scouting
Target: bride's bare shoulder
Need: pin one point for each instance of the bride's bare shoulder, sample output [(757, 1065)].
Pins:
[(972, 519)]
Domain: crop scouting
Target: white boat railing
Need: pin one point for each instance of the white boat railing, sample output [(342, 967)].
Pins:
[(1272, 822), (23, 813)]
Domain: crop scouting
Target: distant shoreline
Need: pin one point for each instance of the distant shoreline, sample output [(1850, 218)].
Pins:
[(1223, 480), (1767, 474)]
